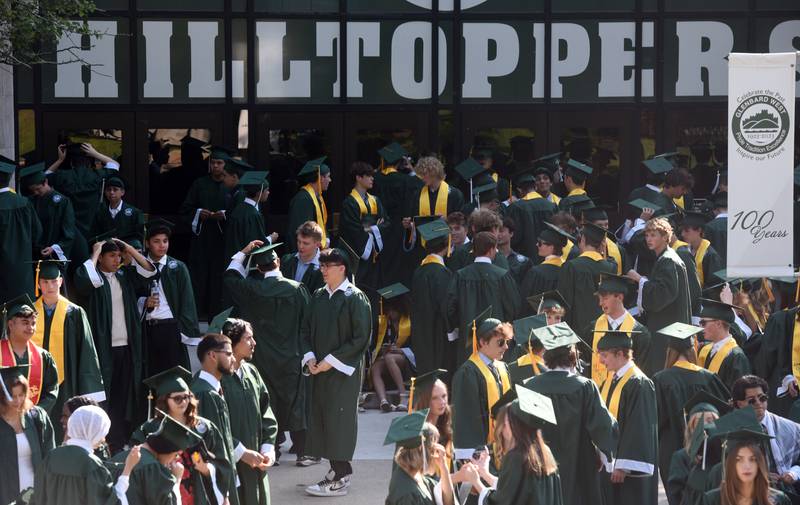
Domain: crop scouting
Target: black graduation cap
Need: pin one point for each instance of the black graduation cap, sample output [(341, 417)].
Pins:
[(556, 335), (523, 328), (172, 436), (597, 213), (612, 283), (33, 174), (221, 153), (695, 219), (219, 321), (612, 339), (7, 168), (739, 424), (174, 380), (714, 309), (114, 181), (554, 235), (577, 168), (658, 165), (532, 408), (703, 401), (422, 385), (547, 300), (594, 232), (680, 335), (392, 153), (407, 431), (9, 374), (263, 255), (158, 225)]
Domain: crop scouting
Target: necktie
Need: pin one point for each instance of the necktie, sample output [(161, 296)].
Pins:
[(220, 391), (365, 197), (496, 375)]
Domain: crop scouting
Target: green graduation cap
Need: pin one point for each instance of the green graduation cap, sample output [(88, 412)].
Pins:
[(219, 321), (641, 204), (172, 436), (105, 236), (392, 291), (593, 214), (703, 401), (699, 439), (484, 323), (680, 335), (263, 255), (554, 235), (695, 219), (523, 328), (612, 283), (115, 181), (532, 408), (221, 153), (615, 339), (422, 385), (713, 309), (469, 168), (16, 305), (9, 374), (50, 269), (174, 380), (254, 178), (421, 220), (392, 153), (349, 255), (7, 168), (739, 424), (549, 162), (435, 232), (577, 168), (672, 157), (556, 335), (485, 192), (315, 167), (406, 431), (33, 174), (594, 232), (506, 398), (528, 175), (657, 165), (547, 300)]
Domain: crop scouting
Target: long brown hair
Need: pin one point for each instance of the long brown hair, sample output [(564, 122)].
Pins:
[(444, 422), (414, 459), (19, 381), (674, 355), (537, 458), (692, 424), (729, 489), (190, 412)]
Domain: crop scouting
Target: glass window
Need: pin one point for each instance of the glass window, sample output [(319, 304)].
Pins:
[(369, 140), (304, 6), (706, 5), (26, 134), (181, 5), (105, 140), (447, 135), (289, 150), (24, 89), (513, 148), (701, 137), (411, 6), (239, 64), (601, 148), (175, 160), (593, 5), (470, 6)]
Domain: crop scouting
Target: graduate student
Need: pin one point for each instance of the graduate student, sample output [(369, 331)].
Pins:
[(303, 266), (706, 259), (170, 316), (529, 471), (277, 307), (115, 214), (245, 222), (418, 457), (478, 383), (431, 344), (716, 230), (544, 275), (19, 348), (253, 424), (631, 398), (21, 231), (578, 278), (575, 176), (598, 217), (63, 330), (663, 295), (721, 355), (73, 474), (26, 434), (585, 425), (334, 357), (429, 392), (780, 347), (517, 263), (204, 211), (392, 355), (208, 476), (675, 385), (477, 286), (655, 171), (529, 349), (308, 204), (480, 220), (113, 315), (55, 213), (529, 213), (549, 304), (544, 174)]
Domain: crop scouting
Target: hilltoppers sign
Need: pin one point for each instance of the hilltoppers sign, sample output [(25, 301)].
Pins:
[(297, 60)]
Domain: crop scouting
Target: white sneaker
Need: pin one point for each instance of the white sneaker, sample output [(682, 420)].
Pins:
[(329, 487)]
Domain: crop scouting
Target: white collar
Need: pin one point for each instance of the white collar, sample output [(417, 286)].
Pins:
[(570, 371), (314, 260), (619, 373), (617, 322), (273, 273), (118, 208), (162, 261), (344, 286), (482, 259), (718, 345), (721, 215), (83, 444), (210, 379), (251, 202), (5, 190), (466, 240), (654, 188), (768, 423), (486, 360)]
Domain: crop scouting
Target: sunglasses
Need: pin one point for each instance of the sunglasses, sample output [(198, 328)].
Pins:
[(762, 398), (181, 398)]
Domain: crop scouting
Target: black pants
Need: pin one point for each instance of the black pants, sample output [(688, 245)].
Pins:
[(341, 469), (118, 398), (164, 347)]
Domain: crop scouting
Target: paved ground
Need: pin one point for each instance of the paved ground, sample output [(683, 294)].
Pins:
[(372, 468)]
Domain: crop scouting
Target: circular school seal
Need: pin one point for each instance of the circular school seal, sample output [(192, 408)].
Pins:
[(56, 198), (172, 265), (760, 124), (129, 212)]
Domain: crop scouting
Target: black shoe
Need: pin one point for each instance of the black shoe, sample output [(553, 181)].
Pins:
[(307, 461)]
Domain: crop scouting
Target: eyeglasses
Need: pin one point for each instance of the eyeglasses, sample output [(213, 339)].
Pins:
[(762, 398), (227, 353), (704, 322), (181, 398)]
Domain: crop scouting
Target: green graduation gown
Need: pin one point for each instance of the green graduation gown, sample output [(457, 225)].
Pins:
[(463, 256), (674, 387), (94, 287), (567, 201), (203, 492), (301, 209), (455, 201), (352, 231), (655, 197), (712, 262), (245, 223), (49, 393), (713, 498), (150, 483), (539, 279), (665, 300), (676, 486), (70, 475), (38, 430), (337, 329), (638, 444), (716, 231), (405, 490), (695, 290), (577, 283), (214, 408), (529, 217), (734, 366), (254, 425), (312, 277), (431, 348), (516, 486), (205, 253), (584, 424), (394, 189), (641, 345), (276, 307), (21, 230), (519, 265), (83, 186), (520, 373), (470, 409), (774, 360), (129, 222), (57, 217), (473, 289)]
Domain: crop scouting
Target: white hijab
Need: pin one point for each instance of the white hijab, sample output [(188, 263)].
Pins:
[(87, 426)]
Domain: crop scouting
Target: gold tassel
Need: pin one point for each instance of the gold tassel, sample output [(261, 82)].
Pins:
[(510, 190), (765, 284), (474, 337), (36, 281), (449, 245), (797, 292), (411, 396)]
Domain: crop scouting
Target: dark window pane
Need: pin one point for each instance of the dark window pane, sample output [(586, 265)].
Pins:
[(289, 150), (181, 5), (309, 6), (26, 120), (175, 161)]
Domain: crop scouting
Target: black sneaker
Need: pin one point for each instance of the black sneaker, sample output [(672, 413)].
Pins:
[(307, 461)]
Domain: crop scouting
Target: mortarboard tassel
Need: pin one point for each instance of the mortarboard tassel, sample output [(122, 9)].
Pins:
[(705, 446), (474, 337), (765, 284), (150, 399), (36, 280), (411, 395)]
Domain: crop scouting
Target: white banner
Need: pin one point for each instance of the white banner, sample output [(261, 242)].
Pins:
[(760, 164)]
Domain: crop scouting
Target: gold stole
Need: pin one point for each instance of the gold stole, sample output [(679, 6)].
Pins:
[(577, 191), (687, 366), (679, 202), (555, 260), (403, 332), (716, 362), (373, 203), (698, 260), (796, 348), (531, 359), (565, 251), (613, 402), (431, 258), (320, 210), (554, 198), (56, 333), (35, 374), (386, 169), (678, 244), (495, 177), (533, 195), (599, 371), (613, 251), (592, 255), (441, 201), (492, 394)]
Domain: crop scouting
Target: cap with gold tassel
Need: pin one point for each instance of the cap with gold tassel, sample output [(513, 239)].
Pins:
[(482, 325)]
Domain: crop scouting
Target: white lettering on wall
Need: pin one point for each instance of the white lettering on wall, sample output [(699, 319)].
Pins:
[(692, 58), (477, 65), (648, 74), (575, 61), (328, 46), (102, 83), (202, 84), (615, 60), (537, 88), (781, 41), (360, 35), (157, 83), (404, 40), (271, 81)]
